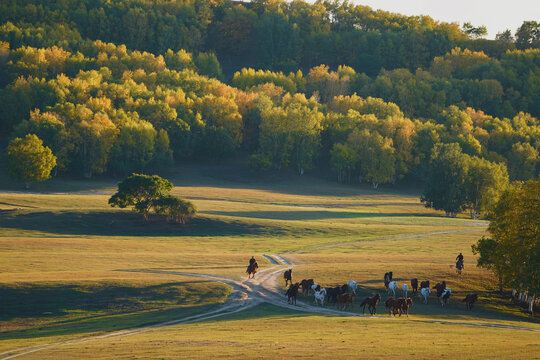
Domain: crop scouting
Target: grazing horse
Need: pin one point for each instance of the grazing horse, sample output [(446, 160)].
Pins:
[(292, 293), (387, 279), (306, 285), (404, 290), (345, 299), (287, 275), (252, 269), (392, 287), (440, 288), (404, 305), (470, 300), (424, 284), (414, 286), (425, 293), (352, 286), (445, 296), (319, 295), (371, 303)]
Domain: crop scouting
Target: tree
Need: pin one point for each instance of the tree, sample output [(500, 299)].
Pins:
[(174, 208), (445, 186), (513, 251), (522, 161), (28, 160), (485, 182), (208, 65), (474, 32), (528, 35), (140, 191)]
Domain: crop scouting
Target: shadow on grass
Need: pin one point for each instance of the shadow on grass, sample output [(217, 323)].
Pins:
[(78, 308), (311, 215), (118, 223)]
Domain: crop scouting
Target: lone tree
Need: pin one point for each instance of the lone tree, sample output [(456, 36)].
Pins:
[(140, 191), (147, 192), (28, 160)]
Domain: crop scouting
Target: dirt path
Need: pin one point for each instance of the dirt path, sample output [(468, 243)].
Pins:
[(246, 294)]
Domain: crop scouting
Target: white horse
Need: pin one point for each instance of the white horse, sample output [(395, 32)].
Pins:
[(404, 290), (392, 287), (320, 295), (352, 286), (314, 287), (425, 293), (445, 296)]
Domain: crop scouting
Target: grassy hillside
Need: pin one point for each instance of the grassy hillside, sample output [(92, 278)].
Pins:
[(73, 267)]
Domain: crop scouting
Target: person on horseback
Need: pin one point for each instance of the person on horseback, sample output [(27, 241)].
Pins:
[(251, 269), (459, 262)]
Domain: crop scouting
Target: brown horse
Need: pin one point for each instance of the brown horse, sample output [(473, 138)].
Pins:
[(404, 305), (251, 270), (292, 293), (393, 305), (371, 303), (287, 275)]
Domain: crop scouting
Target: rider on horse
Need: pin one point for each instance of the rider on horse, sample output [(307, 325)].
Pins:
[(252, 266), (459, 261)]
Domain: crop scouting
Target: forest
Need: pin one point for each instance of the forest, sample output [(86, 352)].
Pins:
[(122, 86)]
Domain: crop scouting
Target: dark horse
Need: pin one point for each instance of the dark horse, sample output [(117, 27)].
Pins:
[(292, 293), (371, 303), (252, 269), (287, 275), (459, 266), (387, 279)]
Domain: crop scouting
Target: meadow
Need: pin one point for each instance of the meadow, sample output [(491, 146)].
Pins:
[(72, 267)]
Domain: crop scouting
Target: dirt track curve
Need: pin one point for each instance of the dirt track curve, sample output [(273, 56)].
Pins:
[(245, 295)]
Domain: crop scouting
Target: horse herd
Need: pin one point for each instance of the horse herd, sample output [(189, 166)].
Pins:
[(343, 296)]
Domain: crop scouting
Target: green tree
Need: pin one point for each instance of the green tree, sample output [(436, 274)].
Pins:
[(174, 208), (445, 185), (28, 160), (513, 251), (522, 161), (139, 191), (485, 182)]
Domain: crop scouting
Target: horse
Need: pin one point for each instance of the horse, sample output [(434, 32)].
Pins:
[(392, 287), (404, 290), (392, 305), (292, 293), (371, 303), (352, 286), (404, 305), (424, 284), (459, 266), (440, 288), (332, 294), (319, 295), (387, 279), (470, 300), (345, 299), (445, 297), (315, 287), (306, 285), (414, 286), (425, 293), (251, 270), (287, 275)]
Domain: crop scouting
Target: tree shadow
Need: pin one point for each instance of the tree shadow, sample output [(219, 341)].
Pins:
[(312, 215), (78, 308), (124, 223)]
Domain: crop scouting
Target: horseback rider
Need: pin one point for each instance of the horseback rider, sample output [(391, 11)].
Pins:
[(459, 261), (252, 261)]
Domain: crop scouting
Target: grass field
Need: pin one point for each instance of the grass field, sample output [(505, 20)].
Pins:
[(72, 267)]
